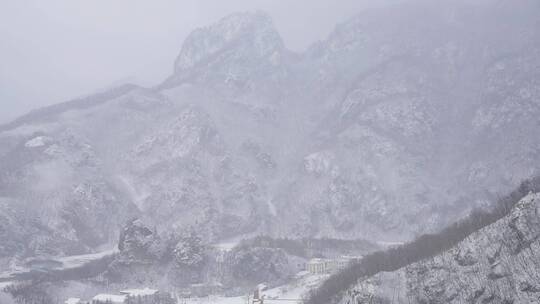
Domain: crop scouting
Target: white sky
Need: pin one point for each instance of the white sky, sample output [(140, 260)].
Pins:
[(55, 50)]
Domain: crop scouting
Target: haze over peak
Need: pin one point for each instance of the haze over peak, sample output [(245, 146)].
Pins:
[(248, 29), (137, 39), (249, 162), (360, 136)]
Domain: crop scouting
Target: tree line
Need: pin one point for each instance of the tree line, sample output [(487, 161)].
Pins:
[(310, 247), (425, 246)]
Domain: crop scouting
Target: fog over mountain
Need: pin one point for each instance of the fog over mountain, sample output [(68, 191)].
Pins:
[(249, 159), (126, 41)]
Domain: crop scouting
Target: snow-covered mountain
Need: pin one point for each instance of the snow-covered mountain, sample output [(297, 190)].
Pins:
[(497, 264), (402, 120)]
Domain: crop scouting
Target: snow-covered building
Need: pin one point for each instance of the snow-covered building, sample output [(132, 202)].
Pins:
[(145, 295), (134, 296), (109, 299), (73, 301), (325, 266), (145, 292), (318, 266), (340, 264)]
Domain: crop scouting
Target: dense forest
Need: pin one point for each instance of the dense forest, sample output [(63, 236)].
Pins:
[(423, 247)]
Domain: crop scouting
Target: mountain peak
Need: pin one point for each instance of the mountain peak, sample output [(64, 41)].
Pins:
[(238, 23), (251, 32)]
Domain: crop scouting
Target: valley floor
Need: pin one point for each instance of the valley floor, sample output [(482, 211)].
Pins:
[(52, 264), (293, 292)]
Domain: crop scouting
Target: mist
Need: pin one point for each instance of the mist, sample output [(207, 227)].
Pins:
[(198, 152), (58, 50)]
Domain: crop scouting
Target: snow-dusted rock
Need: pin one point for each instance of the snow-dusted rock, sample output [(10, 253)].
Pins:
[(38, 141), (497, 264), (397, 123), (253, 31)]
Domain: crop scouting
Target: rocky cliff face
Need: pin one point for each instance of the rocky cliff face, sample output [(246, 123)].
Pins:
[(399, 122), (498, 264)]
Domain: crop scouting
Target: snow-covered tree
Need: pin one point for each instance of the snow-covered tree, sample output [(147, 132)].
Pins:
[(189, 251)]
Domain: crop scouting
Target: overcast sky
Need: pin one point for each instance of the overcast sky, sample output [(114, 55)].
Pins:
[(55, 50)]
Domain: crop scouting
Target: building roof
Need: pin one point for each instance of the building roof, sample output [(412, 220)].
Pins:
[(108, 297), (139, 292), (73, 301), (317, 260), (351, 257)]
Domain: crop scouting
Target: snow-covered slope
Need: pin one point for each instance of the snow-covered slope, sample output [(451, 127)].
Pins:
[(402, 120), (498, 264)]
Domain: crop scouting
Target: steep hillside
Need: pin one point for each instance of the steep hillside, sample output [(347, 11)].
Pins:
[(401, 121), (497, 264)]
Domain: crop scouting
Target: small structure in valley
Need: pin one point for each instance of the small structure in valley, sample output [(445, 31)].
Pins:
[(73, 301), (326, 266), (129, 296), (109, 299), (318, 266), (144, 293)]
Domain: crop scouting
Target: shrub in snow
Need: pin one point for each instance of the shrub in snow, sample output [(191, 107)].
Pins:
[(189, 251)]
